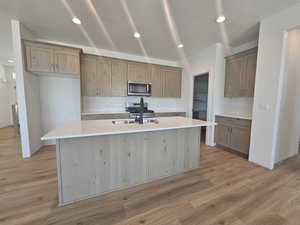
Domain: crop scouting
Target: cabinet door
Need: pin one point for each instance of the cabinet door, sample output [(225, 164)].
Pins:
[(240, 139), (234, 70), (222, 135), (119, 77), (89, 76), (104, 76), (66, 61), (39, 57), (138, 72), (172, 83), (157, 76), (248, 83)]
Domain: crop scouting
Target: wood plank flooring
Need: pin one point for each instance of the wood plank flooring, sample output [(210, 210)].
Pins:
[(226, 190)]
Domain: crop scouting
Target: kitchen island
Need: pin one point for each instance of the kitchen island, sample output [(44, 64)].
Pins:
[(98, 156)]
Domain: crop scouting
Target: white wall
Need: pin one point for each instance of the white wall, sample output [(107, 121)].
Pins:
[(269, 80), (20, 84), (5, 119), (27, 95), (117, 104), (9, 70), (32, 93), (59, 100), (289, 118)]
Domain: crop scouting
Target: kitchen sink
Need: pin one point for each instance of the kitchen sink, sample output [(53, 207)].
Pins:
[(132, 121)]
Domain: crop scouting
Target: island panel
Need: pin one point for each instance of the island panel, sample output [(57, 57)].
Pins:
[(91, 166)]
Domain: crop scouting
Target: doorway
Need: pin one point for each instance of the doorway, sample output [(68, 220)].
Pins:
[(200, 101)]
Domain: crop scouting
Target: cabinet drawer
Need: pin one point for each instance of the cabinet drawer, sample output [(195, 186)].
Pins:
[(233, 121)]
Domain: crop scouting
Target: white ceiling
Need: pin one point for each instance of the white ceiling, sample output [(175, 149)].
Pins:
[(194, 21)]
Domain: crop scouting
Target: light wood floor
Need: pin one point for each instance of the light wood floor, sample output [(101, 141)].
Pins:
[(225, 190)]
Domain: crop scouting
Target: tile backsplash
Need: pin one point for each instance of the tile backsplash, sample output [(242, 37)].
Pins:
[(117, 104)]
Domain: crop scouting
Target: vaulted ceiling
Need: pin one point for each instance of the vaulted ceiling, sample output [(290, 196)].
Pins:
[(109, 24)]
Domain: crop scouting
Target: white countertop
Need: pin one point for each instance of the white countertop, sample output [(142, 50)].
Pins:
[(235, 116), (86, 128)]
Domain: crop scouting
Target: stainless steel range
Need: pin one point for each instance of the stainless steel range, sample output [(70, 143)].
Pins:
[(134, 110)]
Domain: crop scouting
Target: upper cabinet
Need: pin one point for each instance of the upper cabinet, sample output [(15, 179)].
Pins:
[(104, 76), (166, 81), (118, 77), (66, 60), (95, 75), (48, 58), (39, 57), (240, 74), (157, 81), (139, 72), (172, 82), (89, 75)]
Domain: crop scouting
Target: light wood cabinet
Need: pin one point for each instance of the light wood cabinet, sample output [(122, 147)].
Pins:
[(48, 58), (66, 61), (166, 81), (233, 133), (139, 72), (234, 70), (39, 57), (95, 75), (240, 139), (240, 74), (103, 80), (248, 83), (222, 135), (104, 76), (172, 83), (118, 77), (89, 75), (157, 79)]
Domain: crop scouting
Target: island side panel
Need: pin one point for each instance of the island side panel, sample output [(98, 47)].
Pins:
[(90, 166), (59, 177)]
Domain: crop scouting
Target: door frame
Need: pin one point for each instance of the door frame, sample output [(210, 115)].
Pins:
[(210, 130)]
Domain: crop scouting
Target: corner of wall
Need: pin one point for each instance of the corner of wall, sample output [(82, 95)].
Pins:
[(27, 86)]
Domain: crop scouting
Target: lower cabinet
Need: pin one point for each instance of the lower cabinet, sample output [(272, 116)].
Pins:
[(233, 133)]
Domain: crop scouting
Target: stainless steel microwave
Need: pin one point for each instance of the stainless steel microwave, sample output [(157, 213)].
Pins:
[(138, 88)]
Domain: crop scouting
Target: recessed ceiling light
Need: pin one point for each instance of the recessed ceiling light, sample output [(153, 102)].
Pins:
[(180, 46), (221, 19), (76, 20), (137, 35), (10, 61)]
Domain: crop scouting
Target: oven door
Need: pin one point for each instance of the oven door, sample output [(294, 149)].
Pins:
[(138, 89)]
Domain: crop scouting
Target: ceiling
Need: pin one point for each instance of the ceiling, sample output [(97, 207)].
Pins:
[(192, 22)]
